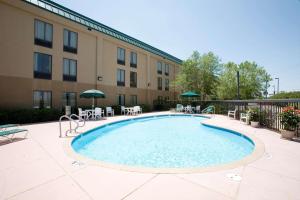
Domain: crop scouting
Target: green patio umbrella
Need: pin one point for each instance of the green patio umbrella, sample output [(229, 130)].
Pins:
[(189, 94), (92, 94)]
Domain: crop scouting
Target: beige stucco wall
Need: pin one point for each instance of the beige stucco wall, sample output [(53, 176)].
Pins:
[(97, 56)]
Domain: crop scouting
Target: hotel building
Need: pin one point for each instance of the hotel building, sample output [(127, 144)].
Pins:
[(49, 54)]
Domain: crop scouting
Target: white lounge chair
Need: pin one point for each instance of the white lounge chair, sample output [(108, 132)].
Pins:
[(232, 114), (179, 108), (99, 113), (82, 114), (110, 111)]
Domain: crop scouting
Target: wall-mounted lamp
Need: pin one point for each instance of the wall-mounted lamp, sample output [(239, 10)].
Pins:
[(89, 29), (99, 78)]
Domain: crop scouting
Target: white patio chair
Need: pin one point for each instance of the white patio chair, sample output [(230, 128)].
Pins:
[(179, 108), (139, 109), (232, 114), (99, 113), (135, 110), (123, 110), (245, 117), (82, 114), (110, 111), (198, 109), (188, 109)]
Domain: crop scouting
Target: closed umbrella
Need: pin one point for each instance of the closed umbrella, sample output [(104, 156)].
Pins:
[(92, 94)]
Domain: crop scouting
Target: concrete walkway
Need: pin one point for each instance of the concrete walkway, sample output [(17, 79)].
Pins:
[(39, 168)]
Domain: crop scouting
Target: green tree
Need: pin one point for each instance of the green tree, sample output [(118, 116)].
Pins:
[(286, 95), (254, 81), (199, 73)]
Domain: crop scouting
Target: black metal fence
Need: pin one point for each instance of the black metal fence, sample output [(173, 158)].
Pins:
[(269, 110)]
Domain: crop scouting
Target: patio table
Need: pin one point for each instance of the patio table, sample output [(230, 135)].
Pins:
[(189, 109), (129, 110), (90, 113)]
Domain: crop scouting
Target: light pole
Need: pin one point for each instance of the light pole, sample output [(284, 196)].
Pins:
[(277, 85), (238, 84), (273, 89)]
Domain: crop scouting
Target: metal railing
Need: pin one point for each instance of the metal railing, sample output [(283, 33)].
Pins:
[(269, 109), (70, 120)]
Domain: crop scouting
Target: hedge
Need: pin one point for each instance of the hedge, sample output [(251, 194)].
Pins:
[(25, 116)]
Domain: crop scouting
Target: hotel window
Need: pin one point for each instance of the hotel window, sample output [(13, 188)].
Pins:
[(121, 56), (121, 99), (70, 41), (43, 33), (69, 99), (120, 77), (69, 70), (133, 100), (167, 84), (42, 99), (166, 69), (133, 79), (42, 66), (159, 67), (133, 59), (167, 98), (159, 83)]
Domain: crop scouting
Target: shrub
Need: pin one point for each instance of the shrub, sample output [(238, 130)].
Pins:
[(22, 116), (290, 118), (254, 114)]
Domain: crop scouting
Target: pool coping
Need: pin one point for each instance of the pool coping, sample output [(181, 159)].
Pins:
[(258, 151)]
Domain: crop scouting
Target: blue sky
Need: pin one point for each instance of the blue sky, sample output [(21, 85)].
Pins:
[(264, 31)]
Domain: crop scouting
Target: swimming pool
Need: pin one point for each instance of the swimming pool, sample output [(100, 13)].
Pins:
[(165, 141)]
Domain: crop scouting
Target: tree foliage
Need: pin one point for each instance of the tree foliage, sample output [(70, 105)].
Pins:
[(199, 73), (205, 74), (286, 95), (254, 81)]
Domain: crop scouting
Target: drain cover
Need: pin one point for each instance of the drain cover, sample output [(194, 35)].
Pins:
[(268, 156), (234, 177), (77, 163)]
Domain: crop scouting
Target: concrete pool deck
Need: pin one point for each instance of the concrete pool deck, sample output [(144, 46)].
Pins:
[(40, 168)]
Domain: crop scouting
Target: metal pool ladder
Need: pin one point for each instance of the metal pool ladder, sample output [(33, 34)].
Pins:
[(71, 119)]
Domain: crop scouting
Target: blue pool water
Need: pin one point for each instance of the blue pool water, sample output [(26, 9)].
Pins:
[(163, 142)]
